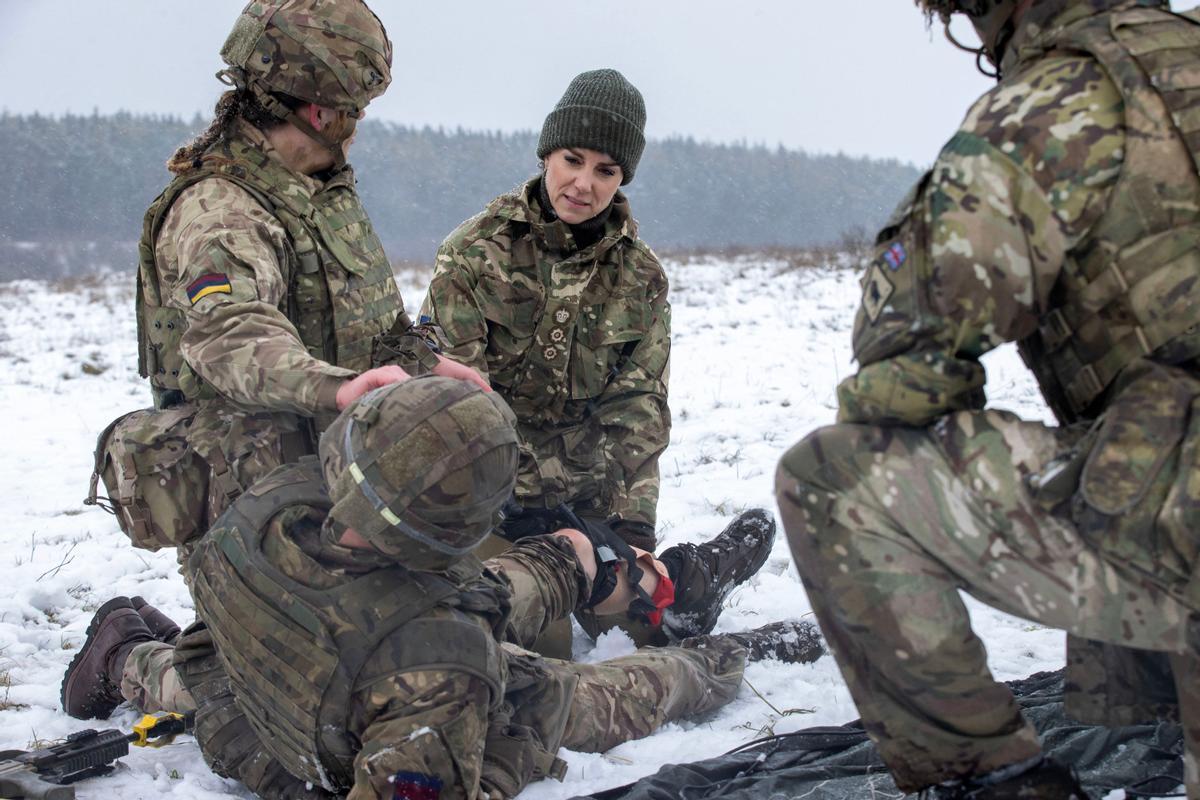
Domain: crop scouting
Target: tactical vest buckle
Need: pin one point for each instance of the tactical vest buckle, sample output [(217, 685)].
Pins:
[(1084, 387), (1055, 330)]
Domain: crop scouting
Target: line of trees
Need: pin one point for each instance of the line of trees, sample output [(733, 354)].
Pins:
[(73, 188)]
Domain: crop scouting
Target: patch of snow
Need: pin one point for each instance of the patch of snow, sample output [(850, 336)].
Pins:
[(758, 351)]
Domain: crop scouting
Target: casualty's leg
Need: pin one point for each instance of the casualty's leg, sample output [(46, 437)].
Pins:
[(150, 683), (553, 576), (546, 581), (631, 697), (122, 660)]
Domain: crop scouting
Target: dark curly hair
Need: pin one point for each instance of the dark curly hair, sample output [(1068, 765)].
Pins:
[(231, 106)]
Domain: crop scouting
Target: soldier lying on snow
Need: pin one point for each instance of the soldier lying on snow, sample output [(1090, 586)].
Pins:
[(349, 641)]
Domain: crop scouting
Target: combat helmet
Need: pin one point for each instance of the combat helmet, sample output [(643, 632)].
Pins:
[(334, 53), (993, 21), (421, 468)]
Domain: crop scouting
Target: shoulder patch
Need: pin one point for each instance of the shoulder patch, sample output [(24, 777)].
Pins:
[(415, 786), (212, 283), (877, 290), (895, 256)]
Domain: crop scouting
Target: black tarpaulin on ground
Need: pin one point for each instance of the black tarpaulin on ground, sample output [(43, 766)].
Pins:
[(836, 763)]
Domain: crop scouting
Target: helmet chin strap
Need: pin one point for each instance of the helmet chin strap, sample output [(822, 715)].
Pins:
[(995, 29), (237, 77), (331, 143), (980, 54)]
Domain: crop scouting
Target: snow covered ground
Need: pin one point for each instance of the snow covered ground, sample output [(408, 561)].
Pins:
[(758, 348)]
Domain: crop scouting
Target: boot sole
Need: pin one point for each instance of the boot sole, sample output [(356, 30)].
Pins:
[(97, 620)]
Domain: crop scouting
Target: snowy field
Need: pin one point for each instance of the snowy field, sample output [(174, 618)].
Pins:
[(758, 349)]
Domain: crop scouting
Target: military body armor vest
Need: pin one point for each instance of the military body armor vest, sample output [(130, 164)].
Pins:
[(1132, 288), (294, 654), (342, 291)]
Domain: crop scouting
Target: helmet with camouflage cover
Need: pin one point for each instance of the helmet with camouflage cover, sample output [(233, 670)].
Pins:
[(993, 21), (334, 53), (421, 468)]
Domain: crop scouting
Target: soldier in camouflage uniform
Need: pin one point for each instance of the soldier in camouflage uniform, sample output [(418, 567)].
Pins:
[(1064, 215), (351, 642), (262, 285), (550, 294)]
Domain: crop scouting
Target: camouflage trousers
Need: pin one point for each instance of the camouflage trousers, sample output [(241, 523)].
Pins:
[(886, 524), (150, 683), (613, 702), (624, 698)]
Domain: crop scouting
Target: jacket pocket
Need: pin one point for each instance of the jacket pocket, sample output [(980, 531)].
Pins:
[(608, 334)]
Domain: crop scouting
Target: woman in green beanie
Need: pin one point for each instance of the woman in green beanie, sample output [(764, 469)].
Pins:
[(552, 296)]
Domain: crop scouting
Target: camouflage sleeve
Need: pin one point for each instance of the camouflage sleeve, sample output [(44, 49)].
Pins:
[(424, 737), (451, 305), (231, 284), (633, 410), (970, 257)]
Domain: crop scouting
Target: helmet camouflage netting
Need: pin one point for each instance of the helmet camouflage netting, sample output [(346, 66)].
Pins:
[(334, 53), (421, 468)]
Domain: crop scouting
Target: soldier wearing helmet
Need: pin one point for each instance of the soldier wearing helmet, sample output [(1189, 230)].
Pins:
[(262, 285), (1064, 215), (350, 641)]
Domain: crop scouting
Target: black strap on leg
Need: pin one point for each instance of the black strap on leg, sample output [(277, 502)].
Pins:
[(609, 547), (610, 550)]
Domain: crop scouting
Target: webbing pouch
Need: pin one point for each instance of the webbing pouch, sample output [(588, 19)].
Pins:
[(157, 485), (1126, 506)]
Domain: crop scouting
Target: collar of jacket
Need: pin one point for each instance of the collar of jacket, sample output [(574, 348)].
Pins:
[(258, 140), (1045, 20), (521, 205)]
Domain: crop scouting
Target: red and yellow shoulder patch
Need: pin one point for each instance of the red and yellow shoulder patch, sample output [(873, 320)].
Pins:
[(212, 283)]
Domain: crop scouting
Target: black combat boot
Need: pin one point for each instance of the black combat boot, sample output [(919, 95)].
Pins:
[(91, 688), (1045, 780), (705, 574), (162, 626), (792, 642)]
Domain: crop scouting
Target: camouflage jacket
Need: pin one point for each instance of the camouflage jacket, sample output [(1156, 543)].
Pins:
[(359, 675), (577, 341), (260, 291), (1065, 215)]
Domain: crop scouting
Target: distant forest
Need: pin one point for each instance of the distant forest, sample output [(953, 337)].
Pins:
[(73, 189)]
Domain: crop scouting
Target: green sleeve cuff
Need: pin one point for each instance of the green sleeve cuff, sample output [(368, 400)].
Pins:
[(911, 389)]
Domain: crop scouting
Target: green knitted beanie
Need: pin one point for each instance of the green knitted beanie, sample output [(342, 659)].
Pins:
[(600, 111)]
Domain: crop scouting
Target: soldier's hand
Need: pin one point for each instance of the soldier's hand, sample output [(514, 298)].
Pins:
[(355, 388), (452, 369)]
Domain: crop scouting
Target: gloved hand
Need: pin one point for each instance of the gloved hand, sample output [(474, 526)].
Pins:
[(520, 522), (636, 534)]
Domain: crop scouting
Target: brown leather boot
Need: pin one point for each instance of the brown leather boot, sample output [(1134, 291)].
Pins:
[(162, 626), (91, 687)]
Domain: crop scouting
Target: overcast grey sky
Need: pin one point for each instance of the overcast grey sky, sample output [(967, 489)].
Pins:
[(865, 78)]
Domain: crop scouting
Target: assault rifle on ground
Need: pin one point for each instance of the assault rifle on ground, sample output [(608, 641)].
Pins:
[(44, 774)]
